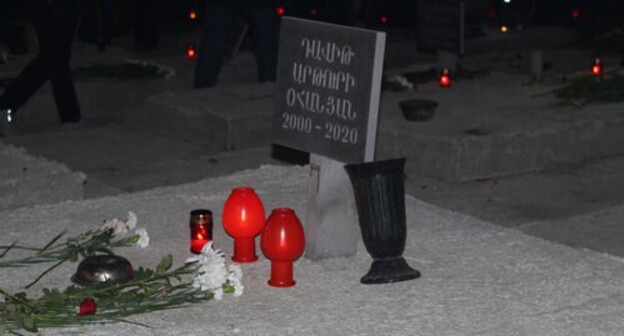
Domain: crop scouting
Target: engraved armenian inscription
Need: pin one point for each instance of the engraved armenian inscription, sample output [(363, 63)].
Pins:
[(324, 88)]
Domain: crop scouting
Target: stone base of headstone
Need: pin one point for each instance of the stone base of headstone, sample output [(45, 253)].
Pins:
[(331, 225)]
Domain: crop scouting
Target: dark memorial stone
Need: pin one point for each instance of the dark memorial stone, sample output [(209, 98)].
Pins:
[(441, 25), (328, 82)]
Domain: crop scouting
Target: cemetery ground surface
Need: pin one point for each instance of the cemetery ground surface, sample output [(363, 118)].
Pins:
[(536, 252)]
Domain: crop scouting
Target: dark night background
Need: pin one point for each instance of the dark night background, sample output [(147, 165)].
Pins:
[(120, 17)]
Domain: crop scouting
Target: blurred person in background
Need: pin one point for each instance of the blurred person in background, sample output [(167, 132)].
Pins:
[(55, 23), (220, 16)]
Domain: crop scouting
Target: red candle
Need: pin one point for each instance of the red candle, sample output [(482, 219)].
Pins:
[(190, 51), (282, 242), (243, 219), (280, 11), (201, 229), (597, 67), (445, 78)]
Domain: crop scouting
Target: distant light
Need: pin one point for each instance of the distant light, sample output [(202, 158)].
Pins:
[(445, 78), (383, 19), (191, 54), (575, 14), (596, 68), (192, 15), (504, 29), (313, 12), (507, 1), (280, 11)]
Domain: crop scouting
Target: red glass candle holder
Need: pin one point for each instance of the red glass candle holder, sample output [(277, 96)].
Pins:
[(596, 68), (201, 229), (191, 53), (445, 78), (282, 242), (243, 219), (280, 11)]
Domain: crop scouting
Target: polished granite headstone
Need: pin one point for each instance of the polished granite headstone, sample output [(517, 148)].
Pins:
[(328, 84), (327, 103)]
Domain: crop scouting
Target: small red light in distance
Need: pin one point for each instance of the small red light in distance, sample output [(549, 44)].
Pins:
[(280, 11), (190, 51), (445, 79), (597, 67)]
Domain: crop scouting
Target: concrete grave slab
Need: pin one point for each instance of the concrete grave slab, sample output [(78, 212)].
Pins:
[(496, 126), (478, 279), (26, 180), (232, 116)]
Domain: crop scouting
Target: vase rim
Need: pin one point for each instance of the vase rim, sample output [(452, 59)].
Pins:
[(283, 210), (243, 189), (376, 165)]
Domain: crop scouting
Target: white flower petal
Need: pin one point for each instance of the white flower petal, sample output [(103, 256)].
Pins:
[(143, 238), (213, 273), (131, 221), (238, 290), (119, 228), (236, 271), (210, 252), (192, 260), (218, 294)]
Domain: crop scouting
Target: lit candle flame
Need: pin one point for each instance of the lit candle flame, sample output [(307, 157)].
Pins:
[(280, 11), (445, 78), (190, 52), (597, 67)]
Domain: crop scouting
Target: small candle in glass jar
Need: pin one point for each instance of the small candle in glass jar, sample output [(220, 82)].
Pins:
[(201, 229)]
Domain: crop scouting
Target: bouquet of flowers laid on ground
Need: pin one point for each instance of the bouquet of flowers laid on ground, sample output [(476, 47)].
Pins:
[(201, 278)]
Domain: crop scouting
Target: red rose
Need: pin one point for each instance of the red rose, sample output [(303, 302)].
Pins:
[(87, 307)]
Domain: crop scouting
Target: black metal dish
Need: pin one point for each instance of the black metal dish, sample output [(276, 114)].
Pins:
[(418, 109), (98, 269)]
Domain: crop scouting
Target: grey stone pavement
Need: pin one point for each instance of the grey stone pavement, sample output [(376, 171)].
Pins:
[(482, 274), (477, 278)]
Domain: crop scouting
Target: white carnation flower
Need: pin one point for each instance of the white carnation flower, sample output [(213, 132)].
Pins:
[(143, 238), (120, 227), (234, 277), (131, 221), (213, 273), (117, 226)]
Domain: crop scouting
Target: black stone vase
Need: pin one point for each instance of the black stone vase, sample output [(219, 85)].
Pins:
[(380, 200)]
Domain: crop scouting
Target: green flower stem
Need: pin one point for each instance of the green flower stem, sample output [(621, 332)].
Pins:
[(85, 244), (150, 290), (45, 272)]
